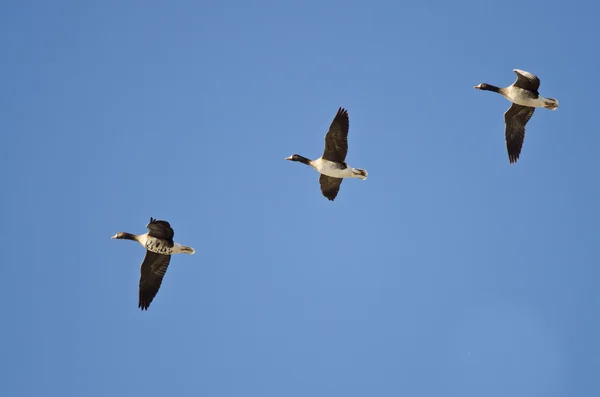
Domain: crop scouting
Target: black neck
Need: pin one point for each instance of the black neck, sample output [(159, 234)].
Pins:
[(128, 236), (302, 159), (489, 87)]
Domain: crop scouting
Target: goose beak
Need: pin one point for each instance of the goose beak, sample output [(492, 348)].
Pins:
[(115, 236), (478, 86), (289, 158)]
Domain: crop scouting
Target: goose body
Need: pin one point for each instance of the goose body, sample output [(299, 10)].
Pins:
[(159, 246), (331, 168), (332, 165), (524, 95)]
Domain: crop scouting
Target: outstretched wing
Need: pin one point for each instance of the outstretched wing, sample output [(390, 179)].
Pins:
[(526, 80), (336, 139), (330, 186), (515, 118), (152, 271), (160, 229)]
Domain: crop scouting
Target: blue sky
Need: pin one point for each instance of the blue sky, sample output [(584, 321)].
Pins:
[(448, 272)]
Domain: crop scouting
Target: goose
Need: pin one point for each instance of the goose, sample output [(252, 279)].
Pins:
[(524, 95), (331, 165), (159, 248)]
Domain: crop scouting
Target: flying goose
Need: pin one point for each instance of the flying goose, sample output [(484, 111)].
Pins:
[(524, 95), (331, 165), (159, 248)]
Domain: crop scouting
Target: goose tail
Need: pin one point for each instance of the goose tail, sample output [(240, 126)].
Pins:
[(550, 103), (360, 173), (184, 249)]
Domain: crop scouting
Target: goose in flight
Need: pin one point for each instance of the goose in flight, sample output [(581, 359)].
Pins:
[(159, 248), (524, 95), (332, 164)]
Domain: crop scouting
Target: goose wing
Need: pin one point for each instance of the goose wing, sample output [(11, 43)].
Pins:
[(152, 271), (336, 139), (526, 80), (330, 186), (160, 229), (515, 118)]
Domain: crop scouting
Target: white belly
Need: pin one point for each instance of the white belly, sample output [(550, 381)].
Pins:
[(337, 173), (519, 96), (329, 168), (157, 246)]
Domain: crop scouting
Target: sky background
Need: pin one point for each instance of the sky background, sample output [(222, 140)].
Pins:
[(448, 272)]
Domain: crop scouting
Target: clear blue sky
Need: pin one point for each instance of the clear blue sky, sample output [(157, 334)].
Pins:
[(448, 272)]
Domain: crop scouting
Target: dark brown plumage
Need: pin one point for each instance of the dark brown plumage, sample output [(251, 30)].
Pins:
[(159, 246), (154, 266), (330, 186), (336, 139), (524, 97), (515, 118), (336, 149), (332, 164), (527, 81), (161, 229), (152, 271)]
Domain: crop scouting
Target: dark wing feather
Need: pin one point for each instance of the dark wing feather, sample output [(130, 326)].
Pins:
[(515, 118), (330, 186), (526, 80), (160, 229), (152, 271), (336, 139)]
